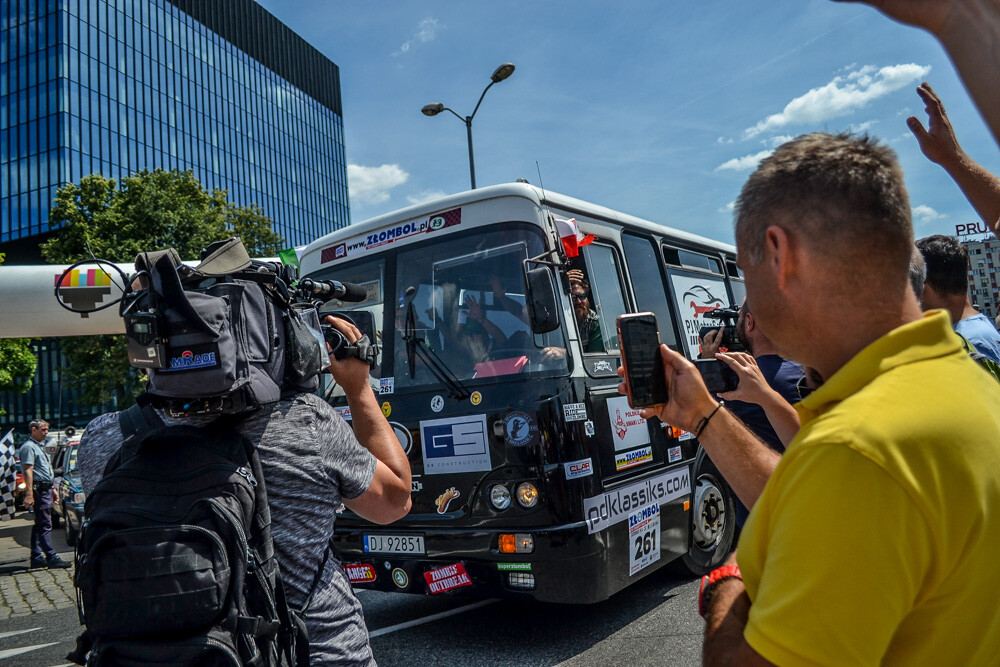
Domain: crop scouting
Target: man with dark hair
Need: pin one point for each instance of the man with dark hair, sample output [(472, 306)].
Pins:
[(946, 287), (875, 532), (39, 496)]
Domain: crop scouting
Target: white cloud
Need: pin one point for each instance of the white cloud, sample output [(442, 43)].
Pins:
[(728, 208), (723, 140), (778, 140), (426, 195), (371, 185), (863, 127), (923, 215), (744, 163), (841, 96), (427, 31)]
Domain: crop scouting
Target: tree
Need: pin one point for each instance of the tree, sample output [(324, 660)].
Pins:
[(151, 210), (17, 363)]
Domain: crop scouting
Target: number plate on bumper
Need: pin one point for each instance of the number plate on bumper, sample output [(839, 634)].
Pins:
[(394, 544)]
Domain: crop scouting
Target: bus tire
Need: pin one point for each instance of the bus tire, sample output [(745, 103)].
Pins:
[(713, 516)]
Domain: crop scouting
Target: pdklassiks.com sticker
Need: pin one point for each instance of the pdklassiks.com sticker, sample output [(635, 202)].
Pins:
[(445, 499), (519, 429), (612, 507)]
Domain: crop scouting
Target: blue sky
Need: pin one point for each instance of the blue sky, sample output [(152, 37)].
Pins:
[(659, 109)]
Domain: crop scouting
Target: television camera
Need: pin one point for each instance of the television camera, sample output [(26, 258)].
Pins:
[(728, 317)]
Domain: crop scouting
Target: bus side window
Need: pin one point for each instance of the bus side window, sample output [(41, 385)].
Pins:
[(647, 284), (608, 302)]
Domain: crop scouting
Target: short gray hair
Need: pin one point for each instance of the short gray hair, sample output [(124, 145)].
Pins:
[(843, 194)]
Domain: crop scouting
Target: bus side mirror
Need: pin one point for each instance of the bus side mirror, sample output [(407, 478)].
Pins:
[(542, 304)]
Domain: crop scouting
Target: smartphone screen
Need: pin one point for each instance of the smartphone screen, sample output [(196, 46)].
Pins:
[(639, 338), (718, 376)]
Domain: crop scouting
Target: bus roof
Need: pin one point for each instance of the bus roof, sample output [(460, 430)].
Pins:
[(523, 190)]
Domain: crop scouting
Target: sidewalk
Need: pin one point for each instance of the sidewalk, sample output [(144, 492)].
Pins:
[(24, 591)]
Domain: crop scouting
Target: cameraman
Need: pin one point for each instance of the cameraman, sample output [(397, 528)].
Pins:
[(312, 462)]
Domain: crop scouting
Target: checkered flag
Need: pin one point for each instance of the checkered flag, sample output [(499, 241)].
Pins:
[(8, 475)]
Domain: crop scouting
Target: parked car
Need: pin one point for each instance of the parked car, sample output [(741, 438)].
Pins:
[(71, 496)]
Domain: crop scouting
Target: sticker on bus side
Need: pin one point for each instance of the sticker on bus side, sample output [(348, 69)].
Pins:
[(575, 412), (576, 469), (633, 458), (404, 232), (612, 507), (643, 538), (455, 444), (629, 429)]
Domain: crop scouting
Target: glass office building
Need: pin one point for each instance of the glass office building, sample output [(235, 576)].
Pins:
[(220, 87)]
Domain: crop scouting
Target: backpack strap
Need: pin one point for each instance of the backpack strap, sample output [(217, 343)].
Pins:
[(135, 422)]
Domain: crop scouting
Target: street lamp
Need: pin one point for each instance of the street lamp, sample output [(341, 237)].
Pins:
[(499, 74)]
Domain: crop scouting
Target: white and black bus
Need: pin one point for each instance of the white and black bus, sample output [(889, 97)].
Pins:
[(532, 477)]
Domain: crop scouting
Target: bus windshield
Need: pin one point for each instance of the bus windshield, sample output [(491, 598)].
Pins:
[(462, 301)]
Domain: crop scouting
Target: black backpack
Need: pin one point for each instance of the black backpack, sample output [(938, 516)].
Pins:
[(174, 562)]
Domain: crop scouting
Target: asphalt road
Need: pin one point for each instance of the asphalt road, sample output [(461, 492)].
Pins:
[(651, 623)]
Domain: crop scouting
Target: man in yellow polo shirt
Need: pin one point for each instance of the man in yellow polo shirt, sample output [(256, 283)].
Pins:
[(874, 537)]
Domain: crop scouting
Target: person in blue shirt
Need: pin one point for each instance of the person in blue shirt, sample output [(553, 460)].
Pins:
[(40, 495), (946, 287), (783, 376)]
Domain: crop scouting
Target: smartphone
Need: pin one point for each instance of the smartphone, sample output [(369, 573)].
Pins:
[(639, 339), (718, 376)]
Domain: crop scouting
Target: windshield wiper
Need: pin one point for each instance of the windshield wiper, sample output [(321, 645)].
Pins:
[(418, 347)]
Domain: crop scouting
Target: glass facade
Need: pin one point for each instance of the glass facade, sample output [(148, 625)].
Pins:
[(220, 87), (116, 86)]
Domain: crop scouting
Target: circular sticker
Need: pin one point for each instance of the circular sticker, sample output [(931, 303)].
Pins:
[(386, 409), (437, 403), (476, 398), (437, 222), (403, 435), (519, 429), (400, 578)]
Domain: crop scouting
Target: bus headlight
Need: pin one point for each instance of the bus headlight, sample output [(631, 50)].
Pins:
[(527, 495), (500, 497)]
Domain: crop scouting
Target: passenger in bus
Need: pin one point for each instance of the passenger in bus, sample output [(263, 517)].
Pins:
[(877, 530), (587, 321)]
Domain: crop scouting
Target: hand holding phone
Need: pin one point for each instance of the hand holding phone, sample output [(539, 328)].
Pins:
[(639, 339), (718, 376)]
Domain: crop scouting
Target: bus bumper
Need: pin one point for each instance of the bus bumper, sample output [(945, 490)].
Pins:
[(566, 564)]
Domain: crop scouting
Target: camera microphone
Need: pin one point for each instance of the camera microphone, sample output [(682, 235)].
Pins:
[(333, 289)]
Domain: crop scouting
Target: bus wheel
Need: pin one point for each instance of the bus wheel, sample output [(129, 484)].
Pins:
[(713, 517)]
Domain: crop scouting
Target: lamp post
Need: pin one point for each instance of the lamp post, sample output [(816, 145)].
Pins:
[(499, 74)]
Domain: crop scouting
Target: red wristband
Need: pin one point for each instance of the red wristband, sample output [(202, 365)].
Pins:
[(731, 571)]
